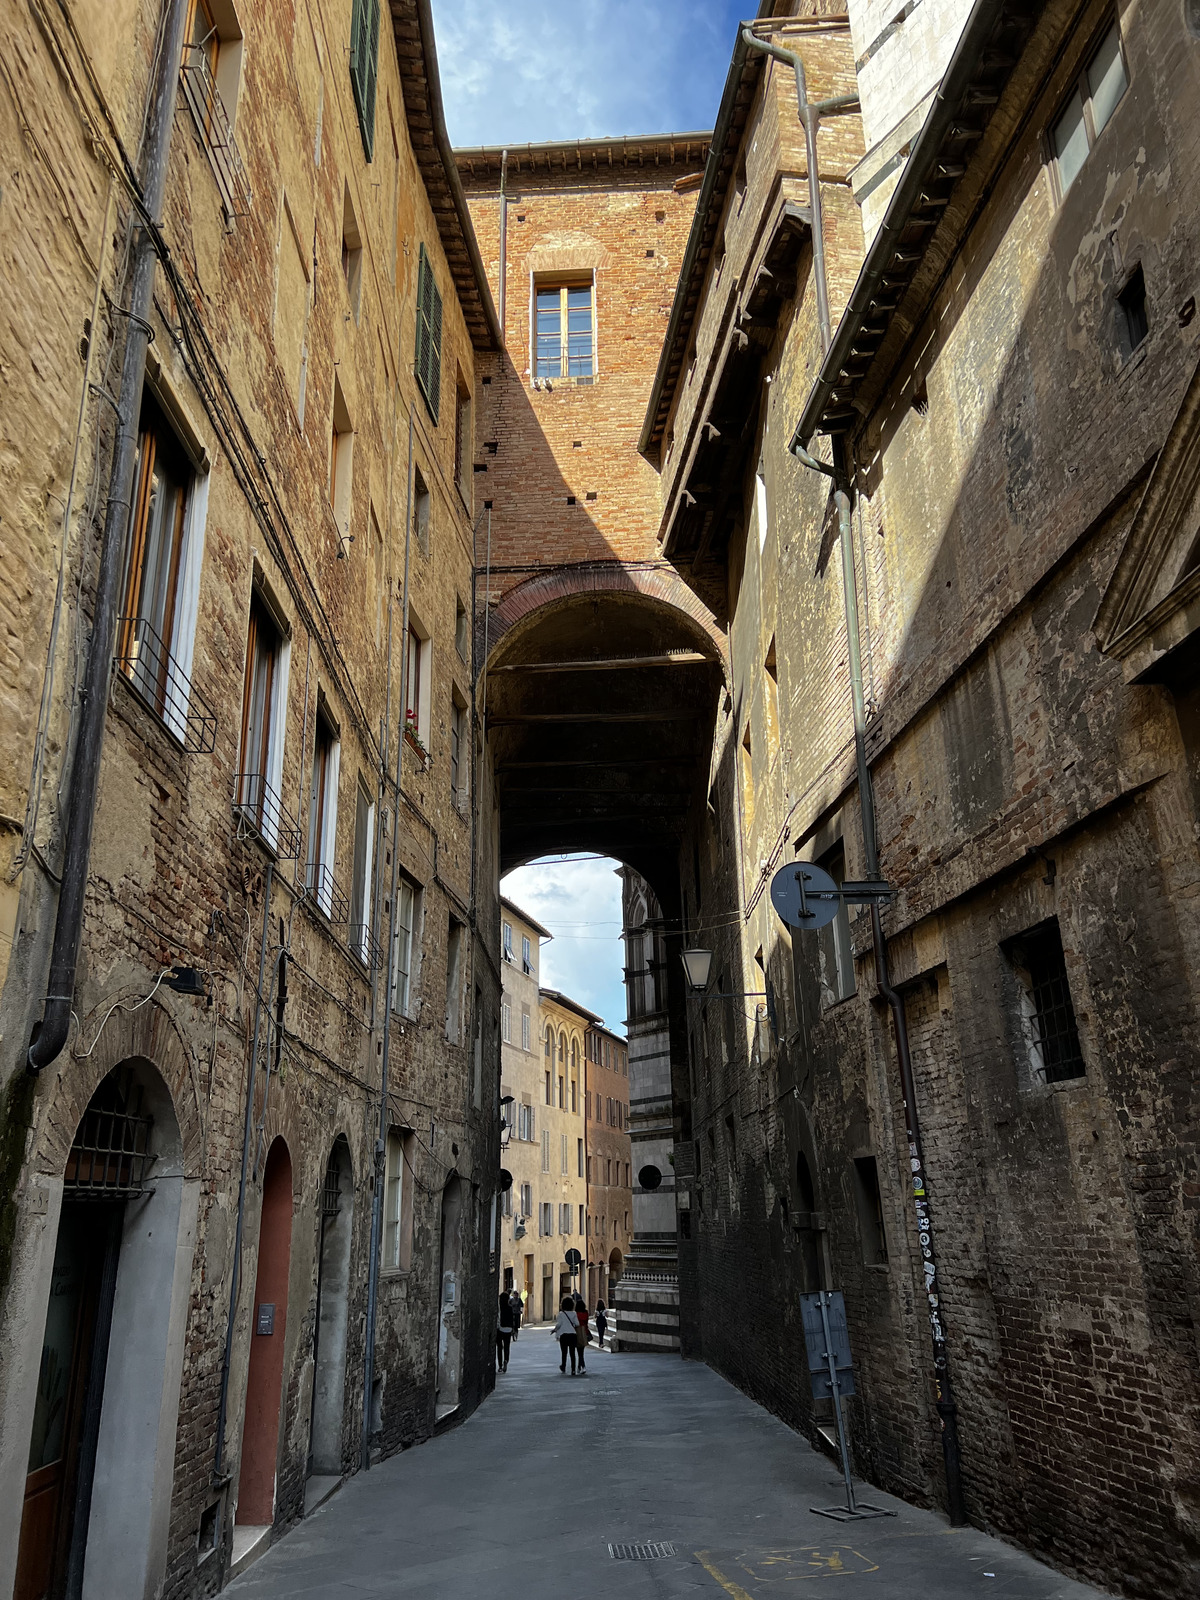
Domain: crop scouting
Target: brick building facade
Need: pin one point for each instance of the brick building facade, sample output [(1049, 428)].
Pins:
[(263, 832)]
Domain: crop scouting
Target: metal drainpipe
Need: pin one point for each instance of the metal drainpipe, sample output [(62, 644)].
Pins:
[(381, 1137), (247, 1136), (810, 113), (503, 237), (50, 1034)]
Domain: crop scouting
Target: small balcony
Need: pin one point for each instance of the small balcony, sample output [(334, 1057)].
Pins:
[(215, 130), (260, 808), (155, 676), (331, 899), (365, 947)]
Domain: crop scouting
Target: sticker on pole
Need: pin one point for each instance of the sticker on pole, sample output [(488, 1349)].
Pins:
[(804, 896)]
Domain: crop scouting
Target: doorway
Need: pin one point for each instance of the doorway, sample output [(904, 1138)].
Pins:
[(450, 1320), (264, 1383), (101, 1452), (335, 1226)]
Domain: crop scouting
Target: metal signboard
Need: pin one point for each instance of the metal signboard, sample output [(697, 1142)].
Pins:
[(804, 896), (820, 1348)]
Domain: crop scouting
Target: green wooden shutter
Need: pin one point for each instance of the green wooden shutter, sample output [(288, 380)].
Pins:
[(429, 335), (364, 67)]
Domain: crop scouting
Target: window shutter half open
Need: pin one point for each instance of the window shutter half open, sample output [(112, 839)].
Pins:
[(364, 67)]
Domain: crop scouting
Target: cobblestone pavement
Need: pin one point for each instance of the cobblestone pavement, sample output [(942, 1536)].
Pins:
[(524, 1500)]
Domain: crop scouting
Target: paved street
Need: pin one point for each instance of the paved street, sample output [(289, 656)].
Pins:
[(525, 1498)]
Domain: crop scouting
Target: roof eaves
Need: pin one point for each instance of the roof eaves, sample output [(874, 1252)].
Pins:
[(531, 922), (571, 1005), (959, 113)]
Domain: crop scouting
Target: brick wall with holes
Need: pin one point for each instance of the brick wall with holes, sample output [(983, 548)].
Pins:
[(276, 328), (559, 461)]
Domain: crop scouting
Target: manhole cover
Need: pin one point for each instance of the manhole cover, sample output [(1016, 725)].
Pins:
[(640, 1552)]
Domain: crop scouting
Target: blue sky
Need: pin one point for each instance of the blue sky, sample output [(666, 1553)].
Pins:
[(579, 901), (522, 71)]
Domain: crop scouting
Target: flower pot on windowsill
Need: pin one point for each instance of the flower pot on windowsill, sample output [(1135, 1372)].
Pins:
[(413, 740)]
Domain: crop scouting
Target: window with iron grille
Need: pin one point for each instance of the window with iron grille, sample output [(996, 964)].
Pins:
[(364, 68), (429, 335), (1047, 1014)]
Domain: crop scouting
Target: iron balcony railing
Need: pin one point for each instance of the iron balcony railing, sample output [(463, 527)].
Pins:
[(258, 805), (363, 944), (153, 672), (324, 888), (215, 129)]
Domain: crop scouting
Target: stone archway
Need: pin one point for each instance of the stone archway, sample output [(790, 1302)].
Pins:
[(335, 1226)]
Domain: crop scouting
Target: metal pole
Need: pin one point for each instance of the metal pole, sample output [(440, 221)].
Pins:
[(381, 1138), (947, 1412), (503, 240), (836, 1393)]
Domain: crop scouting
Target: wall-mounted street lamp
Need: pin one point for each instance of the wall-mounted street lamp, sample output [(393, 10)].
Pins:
[(697, 968), (506, 1100)]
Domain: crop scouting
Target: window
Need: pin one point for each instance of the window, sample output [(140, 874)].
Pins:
[(341, 460), (1132, 321), (322, 815), (579, 1143), (562, 1049), (211, 76), (364, 852), (458, 787), (526, 955), (582, 1217), (760, 506), (1094, 98), (421, 505), (454, 944), (870, 1210), (549, 1048), (546, 1219), (462, 630), (526, 1200), (564, 1217), (562, 1093), (364, 67), (525, 1126), (771, 698), (154, 645), (545, 1150), (429, 336), (549, 1089), (506, 1021), (564, 332), (526, 1029), (397, 1203), (463, 451), (263, 699), (402, 953), (506, 1202), (834, 946), (563, 1163), (574, 1096), (416, 688), (292, 304), (508, 941), (351, 254), (1047, 1014)]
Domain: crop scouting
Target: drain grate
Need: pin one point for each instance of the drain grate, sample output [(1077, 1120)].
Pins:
[(640, 1552)]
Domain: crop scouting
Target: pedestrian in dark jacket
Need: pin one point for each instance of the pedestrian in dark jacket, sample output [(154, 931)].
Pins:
[(585, 1333), (515, 1301), (504, 1329), (601, 1323)]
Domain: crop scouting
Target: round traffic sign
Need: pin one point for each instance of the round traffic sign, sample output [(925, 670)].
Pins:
[(573, 1258), (817, 906)]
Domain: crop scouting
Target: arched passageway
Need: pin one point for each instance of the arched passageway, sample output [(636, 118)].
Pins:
[(264, 1383), (335, 1225), (600, 707), (100, 1465)]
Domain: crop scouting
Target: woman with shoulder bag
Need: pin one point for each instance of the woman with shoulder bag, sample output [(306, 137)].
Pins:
[(584, 1332), (566, 1331)]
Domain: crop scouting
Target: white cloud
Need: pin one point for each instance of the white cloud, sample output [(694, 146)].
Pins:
[(531, 70), (579, 901)]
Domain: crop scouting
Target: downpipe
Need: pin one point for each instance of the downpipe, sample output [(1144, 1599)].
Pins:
[(50, 1033)]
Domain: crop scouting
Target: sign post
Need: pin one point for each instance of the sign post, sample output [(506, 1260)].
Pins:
[(573, 1259), (831, 1372)]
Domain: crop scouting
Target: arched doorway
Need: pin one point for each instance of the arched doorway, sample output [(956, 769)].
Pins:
[(101, 1456), (264, 1382), (334, 1227), (615, 1262), (450, 1318)]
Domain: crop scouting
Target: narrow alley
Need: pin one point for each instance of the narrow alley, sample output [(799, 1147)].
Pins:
[(529, 1494)]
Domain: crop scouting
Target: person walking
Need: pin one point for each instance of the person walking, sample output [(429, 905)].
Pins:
[(515, 1302), (566, 1331), (584, 1332), (601, 1323), (504, 1332)]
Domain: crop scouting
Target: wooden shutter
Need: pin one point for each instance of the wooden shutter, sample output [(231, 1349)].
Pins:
[(429, 335), (364, 67)]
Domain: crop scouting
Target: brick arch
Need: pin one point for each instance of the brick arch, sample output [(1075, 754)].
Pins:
[(149, 1034), (660, 585)]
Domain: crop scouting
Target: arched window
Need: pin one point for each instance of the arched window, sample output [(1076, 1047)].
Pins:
[(574, 1055), (549, 1046), (562, 1047)]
